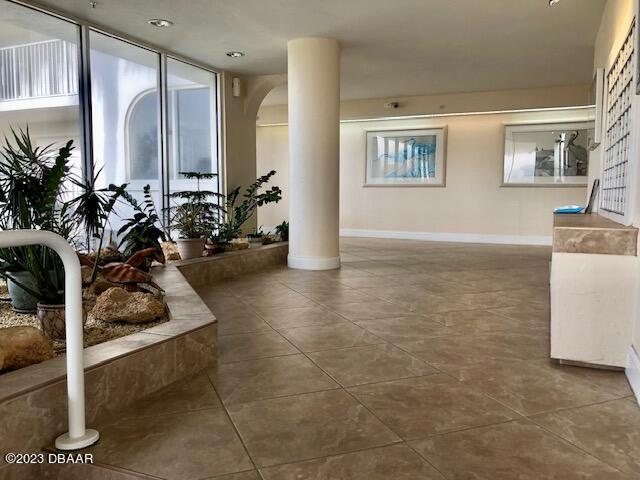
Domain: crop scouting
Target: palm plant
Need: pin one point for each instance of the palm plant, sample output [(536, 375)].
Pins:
[(195, 214)]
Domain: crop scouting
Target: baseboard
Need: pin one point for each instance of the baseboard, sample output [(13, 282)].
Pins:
[(450, 237), (633, 372), (313, 263)]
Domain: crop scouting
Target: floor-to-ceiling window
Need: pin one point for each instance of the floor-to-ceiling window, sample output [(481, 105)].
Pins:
[(124, 109), (130, 97), (192, 124), (39, 72)]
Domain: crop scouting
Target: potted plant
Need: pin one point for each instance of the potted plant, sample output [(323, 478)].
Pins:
[(256, 237), (238, 214), (34, 194), (143, 230), (195, 216), (283, 231)]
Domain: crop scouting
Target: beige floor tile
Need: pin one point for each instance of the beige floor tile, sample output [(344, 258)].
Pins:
[(418, 407), (267, 378), (609, 431), (250, 475), (233, 348), (484, 321), (531, 387), (324, 337), (230, 323), (375, 363), (338, 297), (405, 329), (302, 427), (455, 352), (196, 393), (289, 299), (180, 446), (509, 451), (370, 310), (283, 318), (397, 462)]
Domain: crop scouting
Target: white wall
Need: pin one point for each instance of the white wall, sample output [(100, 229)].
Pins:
[(473, 205)]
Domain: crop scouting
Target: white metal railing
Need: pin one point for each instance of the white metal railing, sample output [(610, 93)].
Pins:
[(77, 436), (40, 69)]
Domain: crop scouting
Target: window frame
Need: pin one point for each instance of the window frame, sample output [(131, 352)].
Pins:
[(84, 92)]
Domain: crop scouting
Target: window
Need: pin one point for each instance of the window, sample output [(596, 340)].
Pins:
[(39, 78), (40, 87), (124, 110), (192, 121)]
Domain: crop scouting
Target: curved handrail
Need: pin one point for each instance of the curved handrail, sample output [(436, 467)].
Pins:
[(77, 436)]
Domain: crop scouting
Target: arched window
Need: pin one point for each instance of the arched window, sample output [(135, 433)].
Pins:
[(189, 119), (142, 132)]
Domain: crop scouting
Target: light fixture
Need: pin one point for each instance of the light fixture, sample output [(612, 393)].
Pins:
[(235, 54), (553, 2), (160, 22)]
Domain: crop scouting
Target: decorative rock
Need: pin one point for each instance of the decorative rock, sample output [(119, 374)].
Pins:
[(170, 251), (118, 305), (23, 346)]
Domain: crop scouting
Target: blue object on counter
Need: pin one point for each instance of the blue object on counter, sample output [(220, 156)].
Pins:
[(568, 209)]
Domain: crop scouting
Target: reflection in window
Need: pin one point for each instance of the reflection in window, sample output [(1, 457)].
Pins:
[(39, 79), (143, 139)]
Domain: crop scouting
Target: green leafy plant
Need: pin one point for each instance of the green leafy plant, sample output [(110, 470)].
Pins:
[(144, 229), (238, 214), (35, 194), (195, 213), (283, 231)]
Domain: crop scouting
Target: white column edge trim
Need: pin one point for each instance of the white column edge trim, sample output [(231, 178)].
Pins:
[(450, 237), (313, 263), (633, 372)]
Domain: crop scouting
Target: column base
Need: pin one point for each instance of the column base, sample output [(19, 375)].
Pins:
[(313, 263)]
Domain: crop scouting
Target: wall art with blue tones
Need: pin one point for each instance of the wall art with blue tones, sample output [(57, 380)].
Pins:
[(405, 158)]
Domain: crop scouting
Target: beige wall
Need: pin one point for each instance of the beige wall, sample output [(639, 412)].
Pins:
[(473, 201), (239, 132), (567, 96)]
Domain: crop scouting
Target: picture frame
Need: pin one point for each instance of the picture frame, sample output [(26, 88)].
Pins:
[(546, 154), (413, 157), (596, 97)]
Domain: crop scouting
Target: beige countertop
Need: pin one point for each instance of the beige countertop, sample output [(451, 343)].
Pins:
[(592, 233)]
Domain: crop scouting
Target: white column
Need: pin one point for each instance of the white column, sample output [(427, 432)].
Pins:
[(314, 153)]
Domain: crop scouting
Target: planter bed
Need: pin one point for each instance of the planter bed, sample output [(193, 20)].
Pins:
[(33, 404)]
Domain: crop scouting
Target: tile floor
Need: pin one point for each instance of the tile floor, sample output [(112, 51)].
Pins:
[(416, 360)]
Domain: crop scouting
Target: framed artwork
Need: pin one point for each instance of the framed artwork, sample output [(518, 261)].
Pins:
[(546, 155), (403, 158), (597, 99)]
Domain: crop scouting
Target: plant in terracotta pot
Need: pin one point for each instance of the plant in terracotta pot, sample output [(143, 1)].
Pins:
[(194, 216)]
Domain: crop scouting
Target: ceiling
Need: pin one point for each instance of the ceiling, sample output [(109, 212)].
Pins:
[(389, 47)]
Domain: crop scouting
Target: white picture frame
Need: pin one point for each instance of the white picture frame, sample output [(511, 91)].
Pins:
[(413, 157), (546, 154)]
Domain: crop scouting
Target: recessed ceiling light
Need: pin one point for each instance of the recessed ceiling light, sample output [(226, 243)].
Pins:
[(235, 54), (553, 2), (160, 22)]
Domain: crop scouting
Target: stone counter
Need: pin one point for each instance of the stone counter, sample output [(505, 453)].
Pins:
[(592, 233)]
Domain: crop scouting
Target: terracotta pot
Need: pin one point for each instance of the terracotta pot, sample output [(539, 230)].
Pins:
[(52, 320), (190, 247)]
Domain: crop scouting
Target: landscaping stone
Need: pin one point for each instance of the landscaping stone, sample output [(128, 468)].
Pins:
[(170, 251), (118, 305), (23, 346)]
